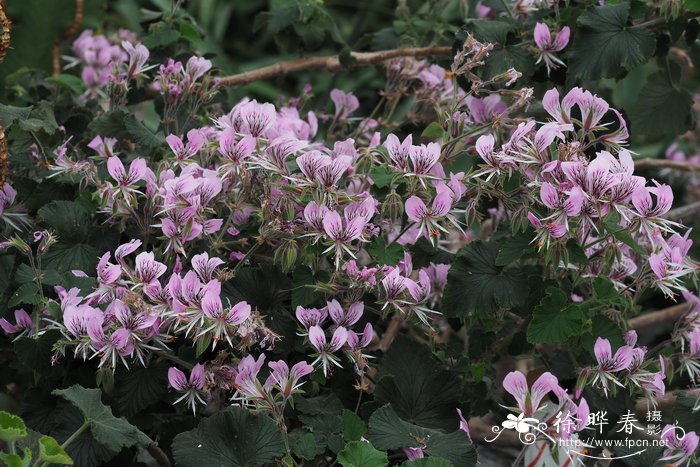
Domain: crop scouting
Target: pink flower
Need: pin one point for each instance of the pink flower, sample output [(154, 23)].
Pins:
[(357, 342), (325, 349), (137, 170), (138, 55), (427, 218), (345, 318), (309, 317), (147, 269), (345, 104), (606, 361), (286, 380), (679, 447), (182, 151), (191, 387), (23, 322), (529, 399), (204, 266), (642, 201), (548, 46), (399, 152)]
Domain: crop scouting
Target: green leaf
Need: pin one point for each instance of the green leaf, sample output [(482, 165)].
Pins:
[(35, 353), (160, 35), (604, 42), (140, 387), (111, 124), (362, 454), (306, 445), (612, 225), (381, 175), (388, 431), (662, 109), (71, 220), (514, 248), (7, 263), (41, 118), (691, 5), (428, 462), (383, 253), (495, 32), (27, 293), (26, 274), (604, 291), (65, 257), (142, 136), (14, 460), (477, 286), (234, 438), (303, 293), (433, 132), (511, 56), (416, 385), (264, 287), (112, 432), (71, 82), (12, 427), (555, 319), (353, 426), (9, 114), (52, 453)]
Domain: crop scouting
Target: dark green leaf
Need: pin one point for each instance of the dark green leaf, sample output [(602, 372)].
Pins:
[(362, 454), (514, 248), (25, 274), (71, 220), (383, 253), (495, 32), (306, 445), (142, 136), (477, 286), (662, 109), (67, 257), (353, 426), (555, 319), (35, 354), (112, 432), (428, 462), (234, 438), (28, 294), (604, 42), (303, 294), (416, 385), (139, 388), (7, 262), (9, 114)]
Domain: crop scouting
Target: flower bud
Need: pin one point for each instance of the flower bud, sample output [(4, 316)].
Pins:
[(286, 254), (392, 206)]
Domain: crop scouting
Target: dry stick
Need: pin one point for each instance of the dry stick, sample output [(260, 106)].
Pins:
[(688, 212), (159, 455), (330, 63), (72, 29), (658, 318), (666, 164), (391, 331)]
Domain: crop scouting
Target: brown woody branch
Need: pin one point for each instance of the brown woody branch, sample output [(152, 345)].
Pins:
[(659, 318), (159, 455), (72, 29), (684, 213), (330, 63), (666, 164)]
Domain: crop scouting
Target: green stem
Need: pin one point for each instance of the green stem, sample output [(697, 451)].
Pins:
[(252, 250), (174, 359), (69, 441), (507, 8)]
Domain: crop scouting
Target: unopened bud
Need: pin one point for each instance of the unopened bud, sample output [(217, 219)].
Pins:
[(392, 206)]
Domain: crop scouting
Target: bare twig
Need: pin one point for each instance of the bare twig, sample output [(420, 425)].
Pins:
[(391, 331), (684, 213), (330, 63), (72, 29), (159, 455), (667, 316), (666, 164)]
